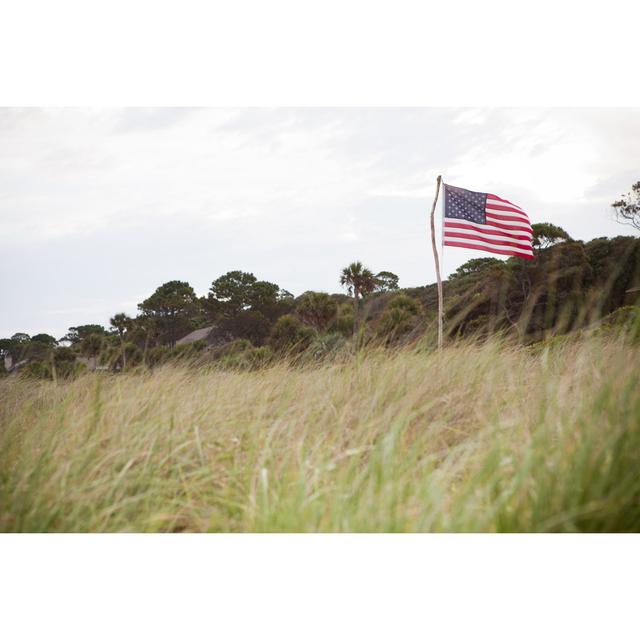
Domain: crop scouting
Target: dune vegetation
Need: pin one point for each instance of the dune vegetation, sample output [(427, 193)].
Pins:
[(482, 436)]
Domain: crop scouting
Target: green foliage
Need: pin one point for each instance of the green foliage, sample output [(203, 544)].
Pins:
[(251, 358), (21, 347), (64, 354), (121, 322), (76, 334), (570, 285), (624, 321), (235, 347), (133, 354), (38, 370), (402, 301), (158, 355), (396, 322), (244, 307), (6, 345), (250, 325), (627, 209), (55, 369), (358, 280), (400, 318), (327, 345), (173, 306), (343, 321), (475, 265), (231, 293), (546, 235), (45, 339), (317, 310), (386, 281), (289, 335), (92, 345)]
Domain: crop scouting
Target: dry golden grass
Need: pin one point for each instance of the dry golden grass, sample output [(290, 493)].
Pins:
[(475, 438)]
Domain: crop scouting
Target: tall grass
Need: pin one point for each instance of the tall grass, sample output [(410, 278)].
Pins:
[(487, 437)]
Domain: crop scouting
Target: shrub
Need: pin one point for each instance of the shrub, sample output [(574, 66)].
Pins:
[(405, 302), (317, 309), (343, 321), (158, 355), (623, 320), (37, 369), (250, 359), (290, 335), (400, 318), (326, 345), (395, 323)]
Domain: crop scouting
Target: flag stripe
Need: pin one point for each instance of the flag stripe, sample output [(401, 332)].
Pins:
[(512, 223), (495, 197), (503, 212), (500, 216), (483, 228), (510, 227), (502, 207), (497, 225), (490, 248), (489, 238)]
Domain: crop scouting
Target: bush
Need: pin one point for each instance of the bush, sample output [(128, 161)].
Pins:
[(250, 359), (317, 309), (232, 348), (624, 320), (42, 370), (395, 323), (328, 344), (158, 355), (402, 301), (343, 321), (190, 350), (399, 319), (133, 354), (37, 369), (290, 335), (64, 354)]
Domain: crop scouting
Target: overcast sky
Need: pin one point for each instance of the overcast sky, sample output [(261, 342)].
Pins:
[(99, 207)]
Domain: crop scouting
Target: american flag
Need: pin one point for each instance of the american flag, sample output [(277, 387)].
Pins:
[(483, 221)]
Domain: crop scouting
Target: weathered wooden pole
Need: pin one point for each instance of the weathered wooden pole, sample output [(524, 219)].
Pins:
[(437, 261)]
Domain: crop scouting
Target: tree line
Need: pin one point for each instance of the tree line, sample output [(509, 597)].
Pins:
[(569, 285), (241, 310)]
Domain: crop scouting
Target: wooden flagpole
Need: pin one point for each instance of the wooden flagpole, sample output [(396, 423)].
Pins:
[(437, 261)]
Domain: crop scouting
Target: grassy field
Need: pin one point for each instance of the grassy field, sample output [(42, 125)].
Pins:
[(476, 438)]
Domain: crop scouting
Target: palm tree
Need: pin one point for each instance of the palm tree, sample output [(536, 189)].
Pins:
[(91, 347), (359, 282), (121, 322)]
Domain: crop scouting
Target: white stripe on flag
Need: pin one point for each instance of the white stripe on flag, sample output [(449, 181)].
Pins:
[(520, 232), (522, 242), (514, 214), (502, 203), (488, 245)]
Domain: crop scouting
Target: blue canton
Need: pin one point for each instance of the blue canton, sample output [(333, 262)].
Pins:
[(465, 204)]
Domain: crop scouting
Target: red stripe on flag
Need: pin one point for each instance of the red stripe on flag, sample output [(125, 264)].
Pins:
[(500, 207), (469, 236), (495, 197), (500, 216), (465, 245), (510, 227), (459, 225)]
